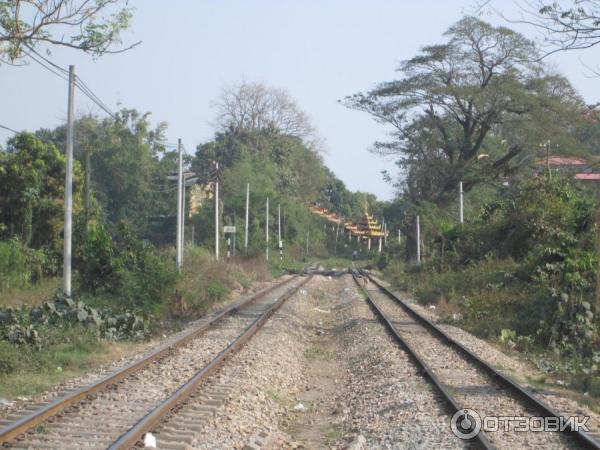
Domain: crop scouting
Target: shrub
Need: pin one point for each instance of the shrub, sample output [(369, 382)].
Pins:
[(130, 269), (20, 265)]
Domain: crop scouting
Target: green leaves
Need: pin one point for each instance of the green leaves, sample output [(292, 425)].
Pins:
[(78, 24)]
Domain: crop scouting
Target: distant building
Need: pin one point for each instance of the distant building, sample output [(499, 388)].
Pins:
[(578, 167)]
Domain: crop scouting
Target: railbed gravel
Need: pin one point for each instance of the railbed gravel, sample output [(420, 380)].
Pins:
[(124, 403), (134, 352), (380, 396), (472, 387), (386, 398), (512, 365)]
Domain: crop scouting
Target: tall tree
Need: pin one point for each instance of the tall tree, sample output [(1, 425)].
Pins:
[(468, 109), (252, 107), (92, 26), (32, 184)]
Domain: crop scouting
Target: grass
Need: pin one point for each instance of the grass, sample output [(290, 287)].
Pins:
[(30, 295), (333, 433), (280, 399), (317, 352), (66, 352)]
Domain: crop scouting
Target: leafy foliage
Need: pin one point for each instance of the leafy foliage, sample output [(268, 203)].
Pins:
[(79, 24), (125, 267), (466, 109)]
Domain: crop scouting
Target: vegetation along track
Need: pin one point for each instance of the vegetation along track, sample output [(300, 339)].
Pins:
[(116, 411), (464, 379)]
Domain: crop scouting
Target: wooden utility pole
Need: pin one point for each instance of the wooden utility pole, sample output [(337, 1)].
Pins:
[(69, 186)]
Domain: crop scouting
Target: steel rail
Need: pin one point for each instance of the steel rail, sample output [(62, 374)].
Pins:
[(153, 418), (479, 440), (525, 395), (27, 422)]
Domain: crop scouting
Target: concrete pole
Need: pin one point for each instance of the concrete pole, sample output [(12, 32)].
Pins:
[(369, 244), (461, 204), (179, 203), (385, 234), (193, 235), (307, 237), (337, 230), (399, 234), (418, 241), (379, 244), (217, 214), (279, 243), (247, 215), (267, 229), (69, 186), (182, 219)]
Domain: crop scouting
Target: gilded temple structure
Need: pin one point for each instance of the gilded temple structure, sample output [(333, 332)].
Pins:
[(368, 230)]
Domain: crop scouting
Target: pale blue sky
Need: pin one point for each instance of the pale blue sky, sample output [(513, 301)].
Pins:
[(318, 50)]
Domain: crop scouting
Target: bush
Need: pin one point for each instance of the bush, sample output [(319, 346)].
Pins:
[(20, 265), (129, 269)]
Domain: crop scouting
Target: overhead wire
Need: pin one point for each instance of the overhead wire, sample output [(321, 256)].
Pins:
[(63, 74), (8, 128)]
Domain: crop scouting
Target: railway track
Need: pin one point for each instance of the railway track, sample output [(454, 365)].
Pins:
[(116, 411), (465, 381)]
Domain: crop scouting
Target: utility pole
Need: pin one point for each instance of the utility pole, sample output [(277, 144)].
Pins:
[(247, 213), (418, 241), (548, 156), (337, 229), (307, 237), (461, 202), (182, 218), (385, 234), (279, 243), (399, 234), (69, 186), (217, 214), (193, 234), (179, 203), (88, 180), (267, 228), (234, 233)]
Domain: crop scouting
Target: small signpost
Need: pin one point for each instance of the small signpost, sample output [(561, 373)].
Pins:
[(229, 230)]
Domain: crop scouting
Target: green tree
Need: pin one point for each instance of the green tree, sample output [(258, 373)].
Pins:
[(470, 109), (32, 179), (92, 26), (127, 163)]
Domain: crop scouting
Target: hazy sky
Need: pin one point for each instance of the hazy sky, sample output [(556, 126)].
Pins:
[(318, 50)]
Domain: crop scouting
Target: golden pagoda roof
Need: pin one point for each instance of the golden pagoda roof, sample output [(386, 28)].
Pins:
[(368, 226)]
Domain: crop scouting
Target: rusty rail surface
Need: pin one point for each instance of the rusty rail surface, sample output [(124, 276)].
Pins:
[(136, 433), (522, 393), (26, 423)]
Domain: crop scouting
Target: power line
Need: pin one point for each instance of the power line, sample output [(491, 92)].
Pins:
[(61, 73), (9, 129)]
